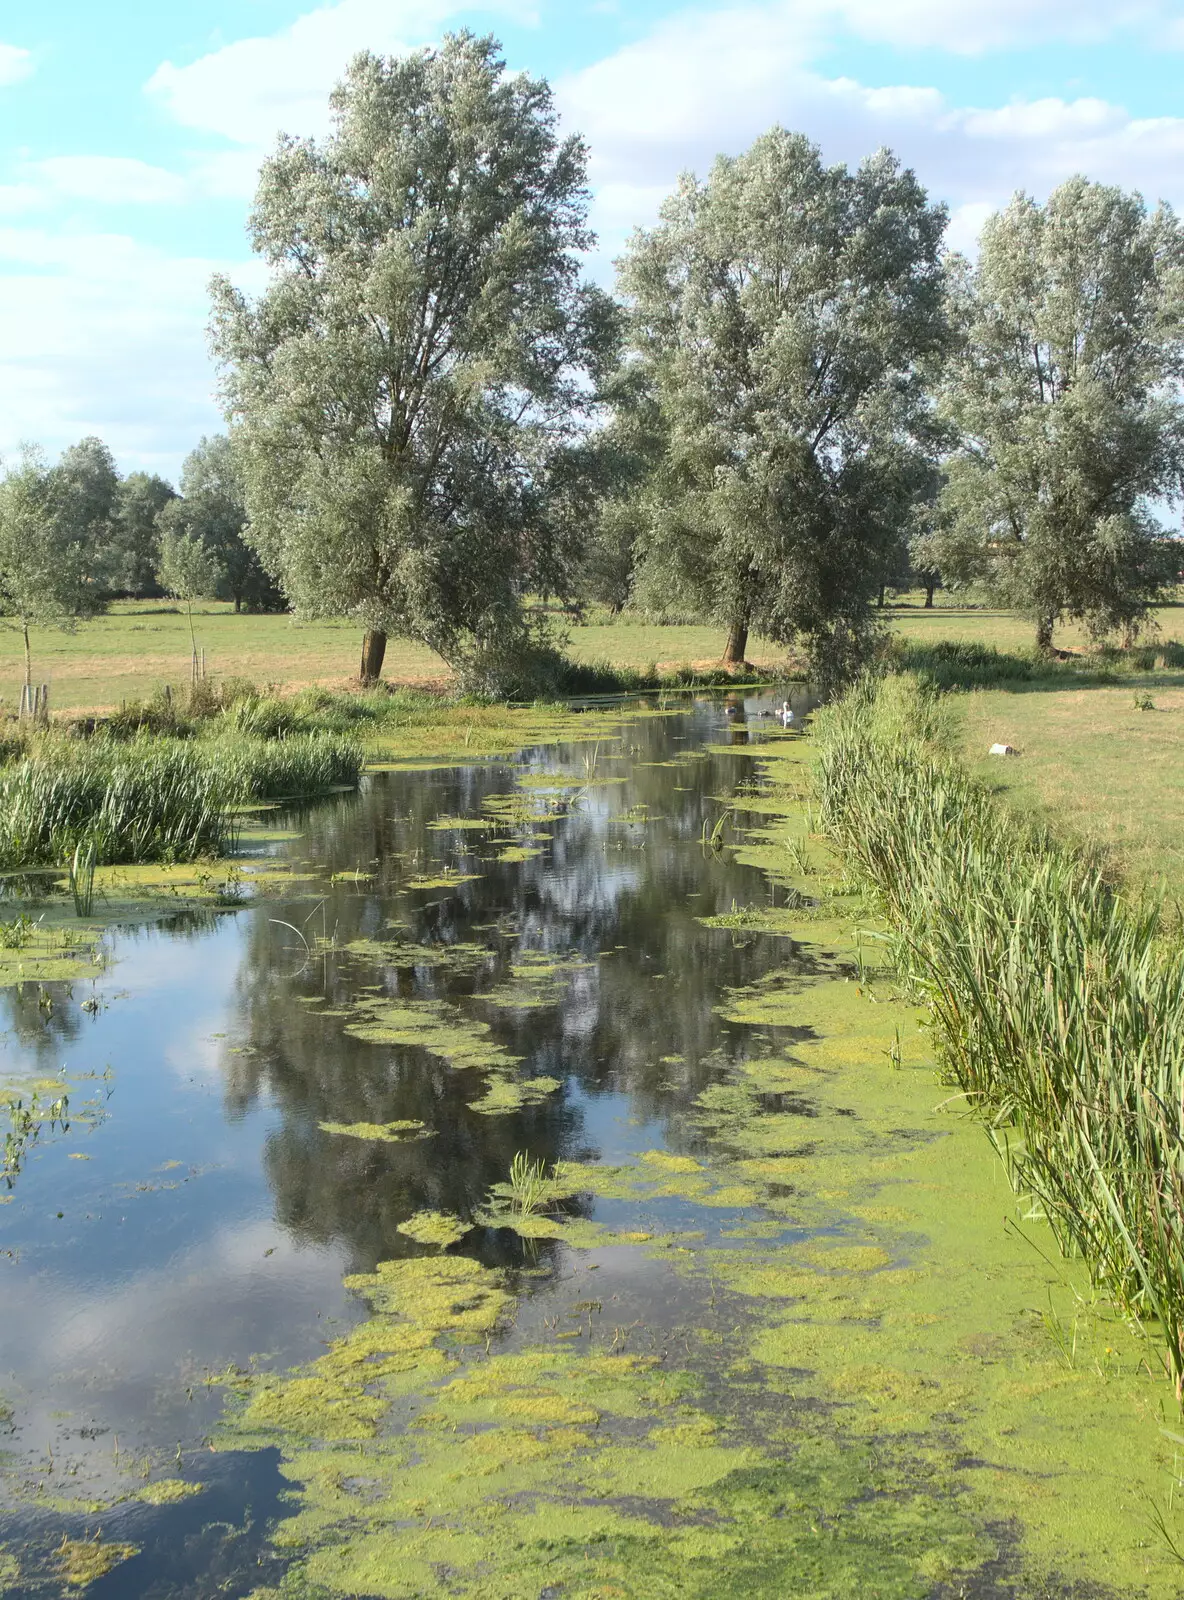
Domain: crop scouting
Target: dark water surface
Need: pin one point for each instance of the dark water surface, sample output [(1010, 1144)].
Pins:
[(212, 1219)]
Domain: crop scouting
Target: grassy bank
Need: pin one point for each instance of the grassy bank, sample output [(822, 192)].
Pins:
[(164, 781), (1058, 1005), (137, 646)]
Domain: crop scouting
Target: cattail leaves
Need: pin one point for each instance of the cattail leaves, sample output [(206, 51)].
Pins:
[(1059, 1005)]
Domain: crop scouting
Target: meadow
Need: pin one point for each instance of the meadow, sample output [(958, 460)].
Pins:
[(138, 646)]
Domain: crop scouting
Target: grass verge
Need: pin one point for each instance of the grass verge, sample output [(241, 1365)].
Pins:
[(1058, 1005)]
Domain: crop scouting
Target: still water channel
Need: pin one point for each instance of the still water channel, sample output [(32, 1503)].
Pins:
[(198, 1216)]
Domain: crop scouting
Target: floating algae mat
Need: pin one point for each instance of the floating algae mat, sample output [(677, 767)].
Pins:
[(593, 1226)]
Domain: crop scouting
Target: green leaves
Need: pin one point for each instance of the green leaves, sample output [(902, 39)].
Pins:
[(785, 313), (1064, 398), (401, 392)]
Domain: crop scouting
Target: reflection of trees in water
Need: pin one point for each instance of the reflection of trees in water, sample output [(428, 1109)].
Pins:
[(621, 893)]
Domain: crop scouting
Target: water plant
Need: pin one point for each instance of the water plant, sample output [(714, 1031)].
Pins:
[(15, 932), (82, 875), (154, 797), (25, 1124), (1058, 1003)]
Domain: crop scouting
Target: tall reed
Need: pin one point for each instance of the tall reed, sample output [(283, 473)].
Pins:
[(154, 797), (1059, 1005)]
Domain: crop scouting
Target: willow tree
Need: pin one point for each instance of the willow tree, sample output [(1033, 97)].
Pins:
[(47, 557), (785, 311), (1066, 397), (407, 390)]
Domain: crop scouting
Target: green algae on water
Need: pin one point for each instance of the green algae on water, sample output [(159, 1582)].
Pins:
[(384, 1132), (435, 1227), (81, 1562), (537, 980), (168, 1491), (504, 1095)]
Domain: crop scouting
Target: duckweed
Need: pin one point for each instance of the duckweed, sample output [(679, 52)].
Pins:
[(435, 1227), (81, 1562), (385, 1132)]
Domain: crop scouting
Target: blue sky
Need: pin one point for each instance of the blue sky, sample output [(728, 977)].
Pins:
[(130, 134)]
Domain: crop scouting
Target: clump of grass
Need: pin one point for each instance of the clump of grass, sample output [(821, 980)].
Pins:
[(528, 1186), (1059, 1005), (82, 876), (150, 800), (15, 932), (155, 798), (269, 768)]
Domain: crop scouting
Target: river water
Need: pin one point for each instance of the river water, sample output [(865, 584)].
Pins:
[(197, 1216)]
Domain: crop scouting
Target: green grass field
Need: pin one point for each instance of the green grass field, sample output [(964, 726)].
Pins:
[(1090, 761), (129, 653)]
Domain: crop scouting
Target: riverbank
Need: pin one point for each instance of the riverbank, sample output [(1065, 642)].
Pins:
[(1057, 1004), (773, 1323)]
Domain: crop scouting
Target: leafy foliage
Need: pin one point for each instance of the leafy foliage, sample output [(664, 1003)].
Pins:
[(1065, 398), (212, 511), (784, 314), (46, 554), (405, 397)]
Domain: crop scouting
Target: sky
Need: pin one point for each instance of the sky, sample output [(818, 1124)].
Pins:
[(131, 134)]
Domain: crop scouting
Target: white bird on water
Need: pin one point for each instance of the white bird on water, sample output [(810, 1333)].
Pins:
[(786, 714)]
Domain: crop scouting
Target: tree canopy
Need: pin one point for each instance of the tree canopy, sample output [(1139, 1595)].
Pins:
[(135, 546), (47, 548), (1066, 400), (785, 313), (407, 395), (212, 510)]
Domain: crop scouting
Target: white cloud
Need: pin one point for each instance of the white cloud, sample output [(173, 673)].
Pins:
[(15, 64), (711, 82), (99, 333), (109, 180), (102, 334), (250, 90)]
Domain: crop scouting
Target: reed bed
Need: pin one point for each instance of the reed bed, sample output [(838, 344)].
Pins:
[(1058, 1003), (152, 797)]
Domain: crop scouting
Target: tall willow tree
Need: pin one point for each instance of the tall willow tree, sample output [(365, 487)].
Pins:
[(407, 394), (785, 312), (1066, 397)]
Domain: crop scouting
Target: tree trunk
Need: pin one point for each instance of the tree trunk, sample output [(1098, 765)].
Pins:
[(737, 644), (880, 600), (28, 655), (1044, 635), (373, 651), (929, 588)]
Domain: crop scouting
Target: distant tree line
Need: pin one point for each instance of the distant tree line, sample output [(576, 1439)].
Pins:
[(75, 535), (797, 399)]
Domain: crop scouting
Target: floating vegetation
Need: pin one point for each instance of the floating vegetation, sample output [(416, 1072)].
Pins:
[(517, 853), (80, 1562), (435, 1227), (460, 956), (168, 1491), (450, 878), (505, 1095), (428, 1025), (1059, 1008), (381, 1132), (537, 980), (449, 824), (783, 921)]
